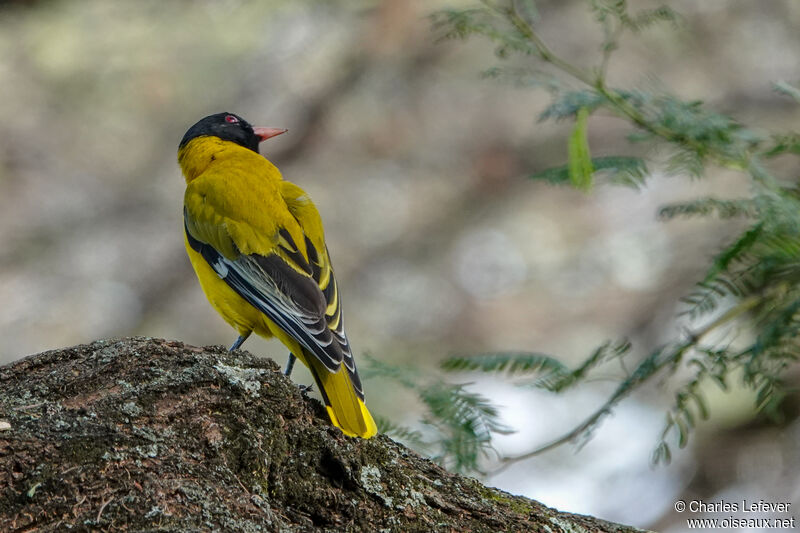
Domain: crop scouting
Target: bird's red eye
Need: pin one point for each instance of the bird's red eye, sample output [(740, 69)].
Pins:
[(231, 119)]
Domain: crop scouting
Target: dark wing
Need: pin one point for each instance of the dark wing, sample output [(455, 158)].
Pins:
[(307, 216), (290, 298)]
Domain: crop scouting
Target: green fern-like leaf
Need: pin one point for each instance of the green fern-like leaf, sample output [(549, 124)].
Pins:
[(662, 454), (461, 422), (627, 171), (464, 23), (555, 175), (704, 207), (621, 170), (736, 252), (569, 104), (687, 162), (513, 363), (466, 420), (524, 78), (559, 381), (650, 17), (459, 406), (787, 143)]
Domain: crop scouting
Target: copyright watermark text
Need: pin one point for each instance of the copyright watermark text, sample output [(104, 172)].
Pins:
[(740, 514)]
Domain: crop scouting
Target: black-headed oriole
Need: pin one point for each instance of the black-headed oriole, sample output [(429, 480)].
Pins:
[(257, 245)]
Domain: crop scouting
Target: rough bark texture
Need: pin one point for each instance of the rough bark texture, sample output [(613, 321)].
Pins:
[(152, 435)]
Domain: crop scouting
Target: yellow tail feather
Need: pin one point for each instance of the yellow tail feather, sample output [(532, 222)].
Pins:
[(346, 410)]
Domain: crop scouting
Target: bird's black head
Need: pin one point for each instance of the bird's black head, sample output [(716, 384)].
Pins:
[(226, 126)]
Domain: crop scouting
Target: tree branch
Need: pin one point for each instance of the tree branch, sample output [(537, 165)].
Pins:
[(143, 434)]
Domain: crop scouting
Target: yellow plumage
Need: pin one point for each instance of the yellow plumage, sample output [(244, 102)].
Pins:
[(257, 245)]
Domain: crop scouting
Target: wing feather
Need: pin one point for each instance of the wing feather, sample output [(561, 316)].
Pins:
[(290, 299), (291, 281), (309, 219)]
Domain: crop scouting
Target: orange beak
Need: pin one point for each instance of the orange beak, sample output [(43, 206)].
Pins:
[(265, 133)]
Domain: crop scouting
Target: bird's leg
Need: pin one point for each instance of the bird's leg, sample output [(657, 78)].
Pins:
[(288, 372), (289, 365), (239, 342)]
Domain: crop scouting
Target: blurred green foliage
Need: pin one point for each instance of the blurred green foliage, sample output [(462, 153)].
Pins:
[(752, 282), (458, 423)]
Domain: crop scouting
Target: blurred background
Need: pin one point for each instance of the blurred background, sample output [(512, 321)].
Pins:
[(417, 166)]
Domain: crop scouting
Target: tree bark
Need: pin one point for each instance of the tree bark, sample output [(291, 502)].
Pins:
[(143, 434)]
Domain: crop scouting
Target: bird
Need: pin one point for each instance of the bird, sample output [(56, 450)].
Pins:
[(257, 245)]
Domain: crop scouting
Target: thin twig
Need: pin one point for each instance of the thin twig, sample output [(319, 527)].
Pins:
[(102, 508)]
